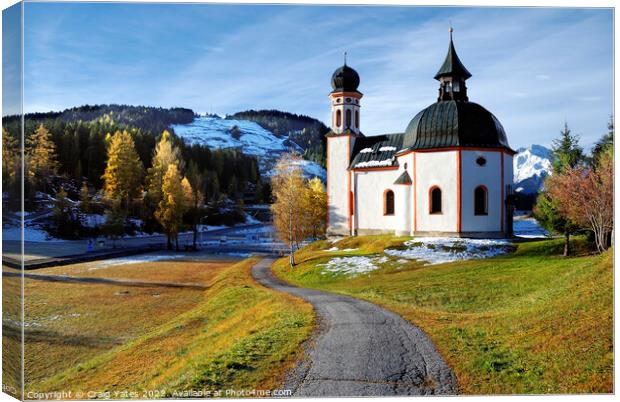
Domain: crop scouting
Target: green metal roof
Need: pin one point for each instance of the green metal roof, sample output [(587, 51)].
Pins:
[(454, 123)]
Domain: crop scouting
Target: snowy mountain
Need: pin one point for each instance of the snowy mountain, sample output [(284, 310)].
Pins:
[(246, 135), (531, 165)]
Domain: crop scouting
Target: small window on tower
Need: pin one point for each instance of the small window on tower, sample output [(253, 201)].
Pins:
[(338, 118), (348, 100), (481, 161), (357, 119), (348, 117)]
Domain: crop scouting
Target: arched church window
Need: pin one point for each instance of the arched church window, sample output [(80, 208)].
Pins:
[(480, 200), (357, 119), (348, 118), (435, 200), (388, 202), (338, 118)]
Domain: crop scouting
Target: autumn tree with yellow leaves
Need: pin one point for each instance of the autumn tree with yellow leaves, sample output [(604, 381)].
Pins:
[(123, 174), (174, 202), (300, 207), (41, 160)]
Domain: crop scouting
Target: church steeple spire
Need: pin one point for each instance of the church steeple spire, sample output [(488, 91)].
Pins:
[(452, 76)]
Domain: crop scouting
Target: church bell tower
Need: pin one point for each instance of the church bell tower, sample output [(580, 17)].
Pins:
[(345, 129), (345, 100), (452, 76)]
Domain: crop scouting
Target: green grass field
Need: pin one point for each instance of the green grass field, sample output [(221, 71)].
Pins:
[(157, 340), (11, 335), (527, 322)]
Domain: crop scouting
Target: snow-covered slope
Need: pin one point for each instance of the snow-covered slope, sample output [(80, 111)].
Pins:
[(251, 138), (531, 166)]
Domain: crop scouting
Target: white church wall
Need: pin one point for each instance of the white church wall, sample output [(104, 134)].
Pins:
[(508, 173), (404, 206), (369, 188), (436, 169), (338, 149), (474, 175)]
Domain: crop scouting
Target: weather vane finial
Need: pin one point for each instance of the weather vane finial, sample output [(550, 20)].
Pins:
[(345, 58), (450, 29)]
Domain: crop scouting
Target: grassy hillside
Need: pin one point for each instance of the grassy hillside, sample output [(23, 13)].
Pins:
[(527, 322), (236, 334)]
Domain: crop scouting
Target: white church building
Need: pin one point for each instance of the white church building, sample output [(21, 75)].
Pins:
[(448, 174)]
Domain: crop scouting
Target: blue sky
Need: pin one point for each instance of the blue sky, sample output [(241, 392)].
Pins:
[(532, 67)]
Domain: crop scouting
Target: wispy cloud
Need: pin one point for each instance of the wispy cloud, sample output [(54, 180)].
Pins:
[(532, 67)]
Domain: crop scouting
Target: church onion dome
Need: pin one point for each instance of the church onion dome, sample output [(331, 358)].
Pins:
[(454, 124), (345, 79)]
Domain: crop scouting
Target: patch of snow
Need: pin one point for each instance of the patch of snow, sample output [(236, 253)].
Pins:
[(208, 228), (215, 133), (439, 250), (250, 220), (385, 162), (137, 259), (366, 151), (344, 249), (385, 149), (353, 265), (253, 139), (93, 220), (257, 230), (312, 169)]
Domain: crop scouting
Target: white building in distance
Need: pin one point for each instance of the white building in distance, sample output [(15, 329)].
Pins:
[(448, 174)]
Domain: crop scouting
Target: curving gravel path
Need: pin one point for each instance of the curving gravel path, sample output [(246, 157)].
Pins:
[(361, 349)]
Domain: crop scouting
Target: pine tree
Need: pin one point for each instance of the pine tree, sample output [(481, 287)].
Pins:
[(85, 202), (547, 213), (10, 166), (65, 219), (41, 160), (566, 152), (172, 205), (605, 142), (123, 173), (566, 155), (233, 188), (114, 224)]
